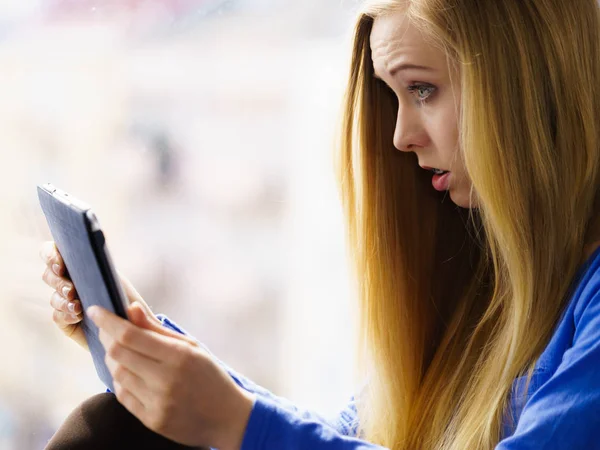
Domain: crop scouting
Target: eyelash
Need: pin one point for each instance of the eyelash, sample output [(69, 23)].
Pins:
[(415, 87)]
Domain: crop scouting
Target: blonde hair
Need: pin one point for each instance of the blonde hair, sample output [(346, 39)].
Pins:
[(456, 303)]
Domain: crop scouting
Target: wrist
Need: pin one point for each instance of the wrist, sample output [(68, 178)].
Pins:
[(233, 436)]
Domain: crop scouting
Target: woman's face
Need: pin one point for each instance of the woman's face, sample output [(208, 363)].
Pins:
[(428, 102)]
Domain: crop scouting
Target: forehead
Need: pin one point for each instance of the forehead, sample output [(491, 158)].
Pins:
[(395, 40)]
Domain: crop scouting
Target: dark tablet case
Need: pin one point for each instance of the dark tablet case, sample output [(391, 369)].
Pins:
[(81, 243)]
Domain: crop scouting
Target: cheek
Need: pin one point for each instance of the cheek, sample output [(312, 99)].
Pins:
[(444, 121), (460, 188), (443, 131)]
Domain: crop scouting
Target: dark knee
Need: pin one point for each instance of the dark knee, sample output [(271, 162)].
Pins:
[(101, 422)]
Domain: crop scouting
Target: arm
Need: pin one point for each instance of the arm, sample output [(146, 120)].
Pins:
[(272, 427), (565, 411), (345, 423)]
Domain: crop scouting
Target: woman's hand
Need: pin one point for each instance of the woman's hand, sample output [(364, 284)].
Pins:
[(170, 383), (68, 313)]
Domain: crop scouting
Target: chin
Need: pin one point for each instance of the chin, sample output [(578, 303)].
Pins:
[(460, 197)]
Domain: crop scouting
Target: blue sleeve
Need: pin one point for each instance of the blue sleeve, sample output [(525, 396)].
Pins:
[(565, 411), (272, 427), (275, 423), (345, 422)]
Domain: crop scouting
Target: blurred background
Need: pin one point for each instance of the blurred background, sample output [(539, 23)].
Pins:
[(202, 133)]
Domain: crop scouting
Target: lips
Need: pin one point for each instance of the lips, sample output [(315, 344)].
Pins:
[(441, 182), (433, 168)]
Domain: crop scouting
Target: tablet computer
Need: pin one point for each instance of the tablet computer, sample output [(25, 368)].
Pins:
[(81, 243)]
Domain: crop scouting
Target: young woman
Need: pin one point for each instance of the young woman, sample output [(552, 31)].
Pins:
[(480, 295)]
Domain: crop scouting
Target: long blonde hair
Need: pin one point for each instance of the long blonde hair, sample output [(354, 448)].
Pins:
[(456, 303)]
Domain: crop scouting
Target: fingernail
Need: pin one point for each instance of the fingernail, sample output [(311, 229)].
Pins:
[(71, 307), (66, 290), (56, 269), (91, 312)]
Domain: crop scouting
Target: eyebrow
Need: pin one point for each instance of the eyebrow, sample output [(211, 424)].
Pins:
[(405, 66)]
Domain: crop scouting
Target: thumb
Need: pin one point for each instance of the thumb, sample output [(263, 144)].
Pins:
[(139, 317)]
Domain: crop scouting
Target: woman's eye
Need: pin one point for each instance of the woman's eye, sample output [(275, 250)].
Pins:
[(422, 91)]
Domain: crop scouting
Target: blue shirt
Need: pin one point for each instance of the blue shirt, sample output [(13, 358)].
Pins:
[(560, 409)]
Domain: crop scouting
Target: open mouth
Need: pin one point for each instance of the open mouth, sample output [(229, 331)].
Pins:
[(438, 171)]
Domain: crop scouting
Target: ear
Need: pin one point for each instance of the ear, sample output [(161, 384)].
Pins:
[(139, 317)]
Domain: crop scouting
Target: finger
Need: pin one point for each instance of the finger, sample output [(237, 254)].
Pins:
[(130, 401), (63, 319), (128, 287), (150, 344), (52, 257), (60, 284), (47, 251), (138, 316), (134, 296), (127, 378), (141, 366), (60, 303)]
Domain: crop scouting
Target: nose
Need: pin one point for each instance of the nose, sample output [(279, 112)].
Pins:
[(409, 132)]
